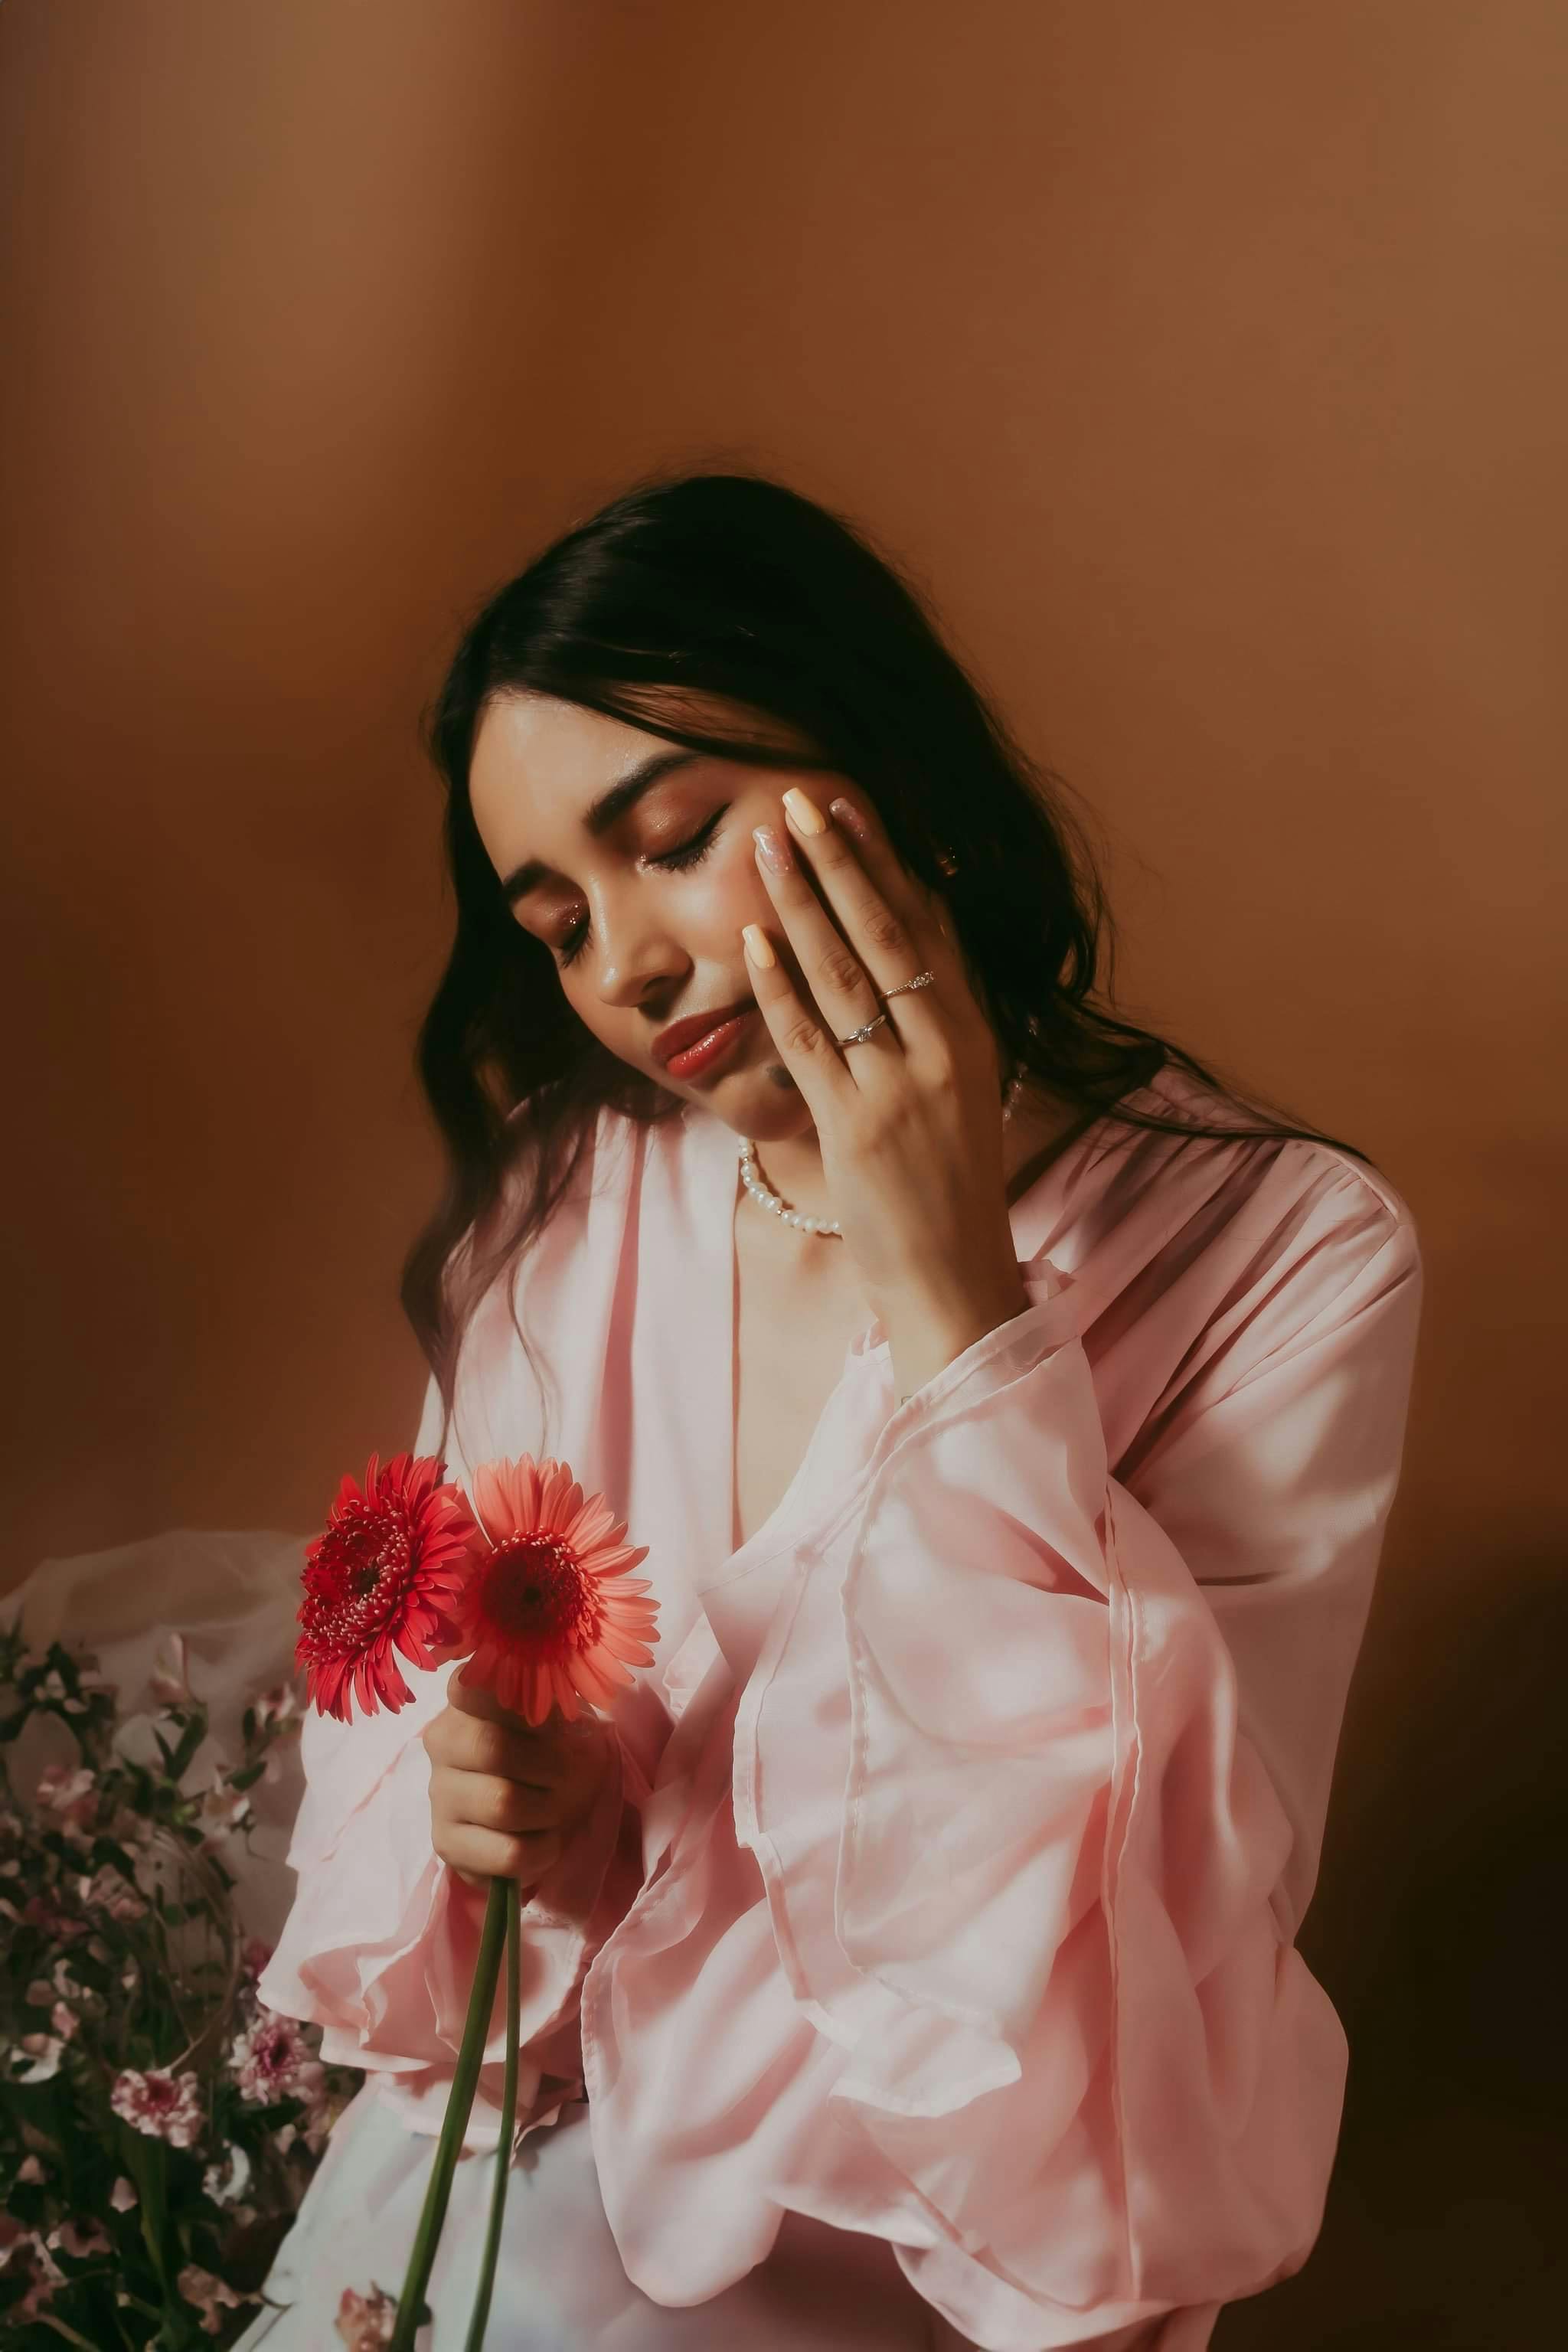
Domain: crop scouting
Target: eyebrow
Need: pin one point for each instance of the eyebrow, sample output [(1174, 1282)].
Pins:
[(603, 813)]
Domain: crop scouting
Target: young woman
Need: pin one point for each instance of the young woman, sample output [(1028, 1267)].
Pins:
[(1011, 1412)]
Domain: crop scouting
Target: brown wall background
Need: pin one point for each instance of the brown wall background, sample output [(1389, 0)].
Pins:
[(1208, 363)]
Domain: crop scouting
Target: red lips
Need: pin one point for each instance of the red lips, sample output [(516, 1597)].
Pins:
[(681, 1034)]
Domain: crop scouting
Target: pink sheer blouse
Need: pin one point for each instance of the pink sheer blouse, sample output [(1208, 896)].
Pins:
[(945, 1883)]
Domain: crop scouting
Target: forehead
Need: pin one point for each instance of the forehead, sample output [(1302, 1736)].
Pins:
[(534, 758), (538, 762)]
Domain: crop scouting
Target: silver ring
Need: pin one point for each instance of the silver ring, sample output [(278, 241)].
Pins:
[(855, 1035), (921, 979)]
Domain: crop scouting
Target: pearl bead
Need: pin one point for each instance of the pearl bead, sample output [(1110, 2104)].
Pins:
[(759, 1188)]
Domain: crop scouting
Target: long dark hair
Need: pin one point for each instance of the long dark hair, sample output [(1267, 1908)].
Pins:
[(731, 585)]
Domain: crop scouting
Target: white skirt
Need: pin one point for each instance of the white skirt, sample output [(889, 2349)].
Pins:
[(560, 2284)]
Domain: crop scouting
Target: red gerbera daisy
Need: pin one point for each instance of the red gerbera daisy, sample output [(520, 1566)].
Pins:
[(547, 1609), (383, 1574)]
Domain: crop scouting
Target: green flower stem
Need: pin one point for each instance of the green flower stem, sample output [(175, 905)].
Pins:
[(459, 2100), (477, 2324), (47, 2319)]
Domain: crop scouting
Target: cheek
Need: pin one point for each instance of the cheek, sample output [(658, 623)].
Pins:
[(728, 890)]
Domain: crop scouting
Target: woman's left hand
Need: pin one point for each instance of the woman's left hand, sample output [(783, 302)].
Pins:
[(909, 1120)]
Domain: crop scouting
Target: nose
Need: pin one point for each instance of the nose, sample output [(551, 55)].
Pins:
[(637, 955)]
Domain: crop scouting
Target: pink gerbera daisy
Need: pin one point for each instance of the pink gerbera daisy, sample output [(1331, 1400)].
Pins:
[(547, 1608), (382, 1577)]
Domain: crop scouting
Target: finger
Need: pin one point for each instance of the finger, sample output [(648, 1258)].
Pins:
[(922, 911), (797, 1031), (481, 1801), (839, 979), (482, 1854), (467, 1743)]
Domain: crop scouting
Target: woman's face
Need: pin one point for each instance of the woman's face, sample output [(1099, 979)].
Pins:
[(641, 898)]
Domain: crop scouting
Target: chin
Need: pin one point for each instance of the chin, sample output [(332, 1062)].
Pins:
[(774, 1108)]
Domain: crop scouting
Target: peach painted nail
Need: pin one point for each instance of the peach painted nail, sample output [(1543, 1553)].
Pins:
[(759, 947), (808, 817)]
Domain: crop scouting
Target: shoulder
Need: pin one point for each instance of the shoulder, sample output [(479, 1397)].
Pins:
[(1285, 1172), (1282, 1240)]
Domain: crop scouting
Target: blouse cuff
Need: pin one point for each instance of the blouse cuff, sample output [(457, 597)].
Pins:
[(1040, 1852), (381, 1945)]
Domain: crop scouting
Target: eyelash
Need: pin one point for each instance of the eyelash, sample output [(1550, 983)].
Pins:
[(690, 853)]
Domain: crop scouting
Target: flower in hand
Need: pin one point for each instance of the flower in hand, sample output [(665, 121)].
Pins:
[(503, 1794), (546, 1608), (380, 1577)]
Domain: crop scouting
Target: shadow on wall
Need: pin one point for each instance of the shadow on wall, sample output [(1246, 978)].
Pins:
[(1437, 1950)]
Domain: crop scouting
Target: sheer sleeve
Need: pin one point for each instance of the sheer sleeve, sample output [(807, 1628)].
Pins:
[(380, 1944), (1050, 1911)]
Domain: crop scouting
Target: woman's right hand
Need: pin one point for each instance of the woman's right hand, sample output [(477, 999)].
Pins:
[(504, 1794)]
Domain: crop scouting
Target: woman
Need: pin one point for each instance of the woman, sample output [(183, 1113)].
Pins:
[(1011, 1413)]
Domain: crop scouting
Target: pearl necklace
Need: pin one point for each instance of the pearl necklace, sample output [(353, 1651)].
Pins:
[(757, 1184)]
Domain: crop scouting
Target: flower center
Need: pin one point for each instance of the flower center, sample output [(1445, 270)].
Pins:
[(358, 1577), (535, 1590)]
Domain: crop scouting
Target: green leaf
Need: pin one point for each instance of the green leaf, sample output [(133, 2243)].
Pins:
[(191, 1739)]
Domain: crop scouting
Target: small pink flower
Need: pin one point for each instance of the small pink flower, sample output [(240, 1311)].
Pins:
[(169, 1681), (122, 2196), (43, 1912), (45, 2050), (165, 2106), (276, 1707), (25, 2252), (254, 1956), (228, 1808), (366, 2321), (63, 2020), (206, 2293), (40, 1994), (271, 2060), (60, 1925), (227, 2181), (79, 2239), (31, 2171), (110, 1891), (71, 1797)]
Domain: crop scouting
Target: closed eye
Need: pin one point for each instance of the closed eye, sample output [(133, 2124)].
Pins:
[(690, 852)]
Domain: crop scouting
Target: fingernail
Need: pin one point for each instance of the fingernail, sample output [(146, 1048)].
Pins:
[(850, 817), (772, 848), (804, 814), (759, 947)]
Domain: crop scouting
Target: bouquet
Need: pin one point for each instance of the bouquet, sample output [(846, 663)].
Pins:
[(158, 2124), (527, 1584)]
